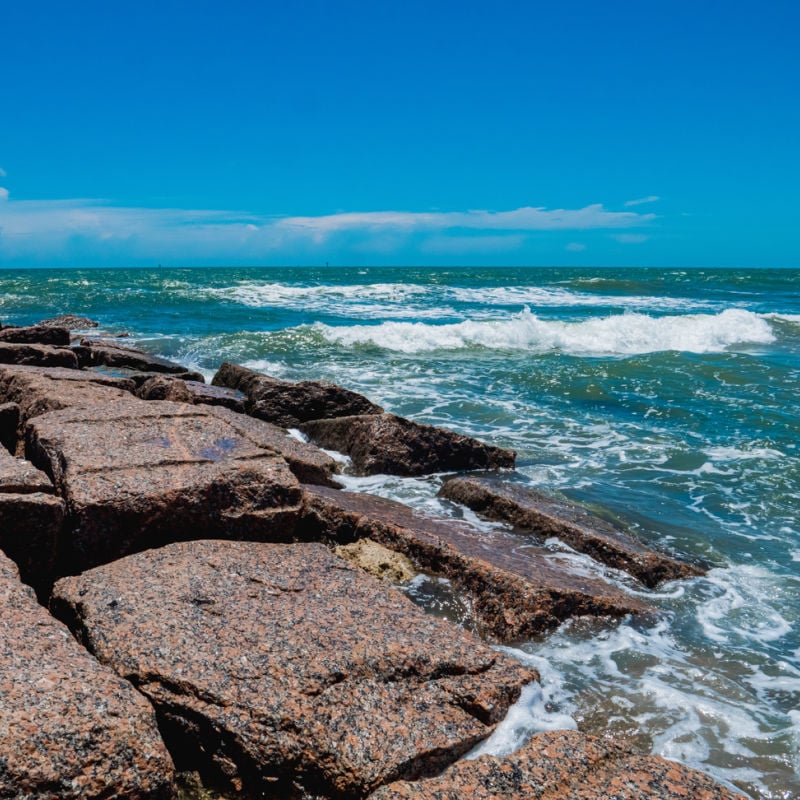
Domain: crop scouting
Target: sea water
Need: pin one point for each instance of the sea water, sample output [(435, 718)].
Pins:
[(666, 400)]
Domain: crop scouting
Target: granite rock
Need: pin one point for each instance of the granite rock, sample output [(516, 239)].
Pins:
[(140, 378), (380, 561), (137, 474), (37, 355), (564, 764), (36, 334), (9, 425), (70, 728), (163, 387), (385, 443), (537, 513), (71, 322), (110, 353), (289, 404), (283, 668), (515, 591)]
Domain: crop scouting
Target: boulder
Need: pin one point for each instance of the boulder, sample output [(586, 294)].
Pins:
[(69, 727), (515, 592), (385, 443), (163, 387), (283, 668), (378, 560), (36, 334), (289, 404), (138, 474), (537, 513), (564, 764), (110, 353), (71, 322), (38, 390), (37, 355), (31, 518), (9, 423)]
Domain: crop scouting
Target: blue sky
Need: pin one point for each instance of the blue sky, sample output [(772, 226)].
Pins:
[(572, 133)]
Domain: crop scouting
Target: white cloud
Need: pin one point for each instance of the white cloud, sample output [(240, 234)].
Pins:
[(3, 194), (629, 238), (3, 173), (651, 198), (575, 247)]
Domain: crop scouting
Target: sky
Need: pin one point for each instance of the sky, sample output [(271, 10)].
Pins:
[(618, 133)]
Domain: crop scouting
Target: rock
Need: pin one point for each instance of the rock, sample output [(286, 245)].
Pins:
[(162, 387), (37, 355), (110, 353), (288, 404), (39, 390), (385, 443), (36, 334), (536, 513), (515, 592), (378, 560), (31, 518), (138, 474), (71, 322), (308, 463), (277, 665), (140, 378), (69, 727), (9, 423), (564, 764)]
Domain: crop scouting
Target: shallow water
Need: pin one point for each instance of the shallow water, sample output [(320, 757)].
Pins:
[(665, 399)]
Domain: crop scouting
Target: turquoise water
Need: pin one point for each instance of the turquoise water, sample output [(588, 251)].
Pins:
[(664, 398)]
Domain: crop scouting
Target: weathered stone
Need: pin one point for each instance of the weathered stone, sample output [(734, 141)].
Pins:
[(288, 404), (385, 443), (308, 463), (140, 378), (515, 591), (37, 355), (281, 664), (138, 474), (164, 387), (110, 353), (380, 561), (36, 334), (69, 727), (31, 518), (9, 424), (544, 516), (71, 322), (38, 390), (564, 764)]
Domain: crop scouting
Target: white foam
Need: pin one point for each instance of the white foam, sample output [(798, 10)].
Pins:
[(620, 334)]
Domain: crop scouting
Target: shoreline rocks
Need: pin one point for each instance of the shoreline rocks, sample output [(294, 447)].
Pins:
[(37, 355), (109, 353)]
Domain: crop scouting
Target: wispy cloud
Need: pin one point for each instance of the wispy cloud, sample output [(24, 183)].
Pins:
[(629, 238), (92, 231), (575, 247), (651, 198), (3, 173)]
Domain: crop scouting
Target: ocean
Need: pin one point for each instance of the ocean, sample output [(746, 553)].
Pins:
[(666, 400)]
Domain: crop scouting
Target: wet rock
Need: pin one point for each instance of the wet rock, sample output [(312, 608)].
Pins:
[(110, 353), (535, 512), (283, 668), (37, 355), (138, 474), (9, 423), (36, 334), (378, 560), (140, 378), (515, 591), (69, 727), (39, 390), (71, 322), (564, 764), (162, 387), (288, 404), (31, 518), (385, 443)]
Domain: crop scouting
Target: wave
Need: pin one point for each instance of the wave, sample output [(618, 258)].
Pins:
[(619, 334)]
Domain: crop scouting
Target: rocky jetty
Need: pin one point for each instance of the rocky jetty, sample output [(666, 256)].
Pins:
[(36, 334), (215, 578)]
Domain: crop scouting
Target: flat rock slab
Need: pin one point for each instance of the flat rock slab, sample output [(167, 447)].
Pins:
[(289, 404), (517, 589), (37, 334), (387, 444), (536, 513), (70, 728), (37, 390), (37, 355), (283, 667), (31, 519), (165, 387), (138, 474), (109, 353), (564, 764)]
